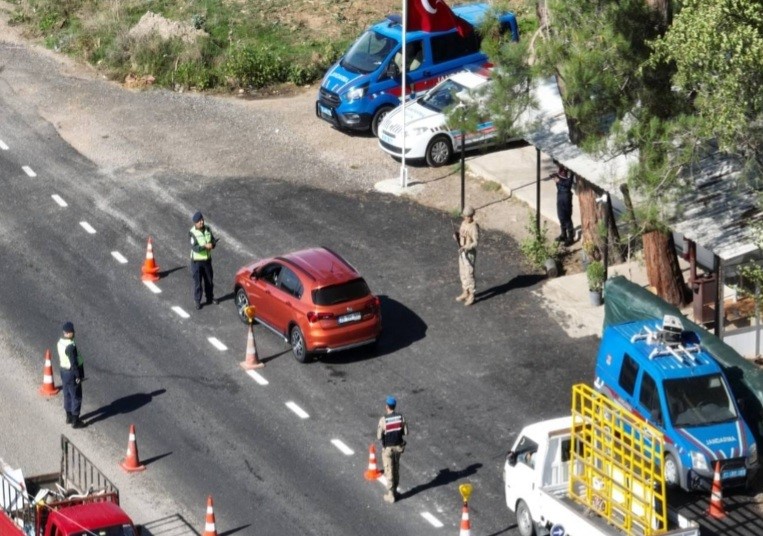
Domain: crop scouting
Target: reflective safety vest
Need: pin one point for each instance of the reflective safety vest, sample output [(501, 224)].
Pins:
[(63, 359), (393, 430), (200, 237)]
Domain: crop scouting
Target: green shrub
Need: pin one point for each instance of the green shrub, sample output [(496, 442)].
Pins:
[(254, 65), (537, 248), (596, 275)]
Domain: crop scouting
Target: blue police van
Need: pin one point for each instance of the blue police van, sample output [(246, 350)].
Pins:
[(661, 373), (366, 83)]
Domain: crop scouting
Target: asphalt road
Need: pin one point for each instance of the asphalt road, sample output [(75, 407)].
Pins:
[(466, 379)]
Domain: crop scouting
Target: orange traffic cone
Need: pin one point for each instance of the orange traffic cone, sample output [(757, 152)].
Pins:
[(251, 361), (48, 387), (131, 463), (466, 526), (209, 524), (372, 473), (716, 509), (150, 269)]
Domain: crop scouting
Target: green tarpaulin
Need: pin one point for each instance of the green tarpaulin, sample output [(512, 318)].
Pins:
[(626, 301)]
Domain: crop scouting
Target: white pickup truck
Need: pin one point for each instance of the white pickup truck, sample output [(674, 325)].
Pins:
[(582, 476)]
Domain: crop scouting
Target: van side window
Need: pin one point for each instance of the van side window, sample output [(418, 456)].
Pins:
[(650, 398), (414, 56), (452, 46), (628, 373)]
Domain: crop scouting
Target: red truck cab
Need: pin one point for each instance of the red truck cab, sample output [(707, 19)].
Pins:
[(77, 501)]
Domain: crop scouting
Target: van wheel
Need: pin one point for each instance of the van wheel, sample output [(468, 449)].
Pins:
[(524, 520), (672, 476), (378, 118), (439, 151), (298, 346)]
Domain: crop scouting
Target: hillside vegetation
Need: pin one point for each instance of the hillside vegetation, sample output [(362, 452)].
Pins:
[(202, 44)]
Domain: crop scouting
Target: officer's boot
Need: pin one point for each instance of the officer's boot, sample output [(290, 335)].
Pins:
[(569, 237), (68, 418), (76, 422), (469, 297), (462, 296), (389, 496)]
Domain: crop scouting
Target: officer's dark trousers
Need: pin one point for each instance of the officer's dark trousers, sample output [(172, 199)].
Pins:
[(202, 271), (72, 392), (564, 213)]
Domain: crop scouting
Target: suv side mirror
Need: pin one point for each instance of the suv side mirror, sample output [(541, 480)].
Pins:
[(511, 457), (255, 274)]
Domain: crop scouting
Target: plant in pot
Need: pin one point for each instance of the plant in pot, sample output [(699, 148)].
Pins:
[(539, 250), (596, 275), (588, 252)]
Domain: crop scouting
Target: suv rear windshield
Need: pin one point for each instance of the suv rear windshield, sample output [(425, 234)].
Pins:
[(352, 290)]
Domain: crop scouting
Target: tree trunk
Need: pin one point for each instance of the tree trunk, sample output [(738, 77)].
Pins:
[(662, 267), (613, 235), (589, 214)]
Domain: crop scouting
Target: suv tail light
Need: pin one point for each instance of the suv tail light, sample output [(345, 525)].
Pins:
[(314, 317)]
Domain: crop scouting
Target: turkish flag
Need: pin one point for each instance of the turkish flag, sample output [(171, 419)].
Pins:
[(434, 16)]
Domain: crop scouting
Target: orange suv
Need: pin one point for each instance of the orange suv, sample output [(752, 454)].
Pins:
[(314, 299)]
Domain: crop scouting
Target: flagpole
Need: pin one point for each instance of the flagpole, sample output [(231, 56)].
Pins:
[(403, 169)]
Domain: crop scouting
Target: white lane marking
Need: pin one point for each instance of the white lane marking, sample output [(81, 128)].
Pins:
[(180, 312), (259, 378), (29, 171), (59, 200), (432, 520), (87, 227), (347, 451), (214, 341), (302, 414), (119, 257), (3, 146), (152, 287)]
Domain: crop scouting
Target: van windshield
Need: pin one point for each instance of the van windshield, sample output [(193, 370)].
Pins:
[(368, 52), (699, 401)]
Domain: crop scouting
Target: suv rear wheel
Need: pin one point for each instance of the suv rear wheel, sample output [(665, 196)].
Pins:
[(298, 345)]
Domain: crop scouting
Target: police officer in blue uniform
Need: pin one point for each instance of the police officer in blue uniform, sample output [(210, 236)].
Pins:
[(72, 373), (202, 244), (564, 184), (391, 431)]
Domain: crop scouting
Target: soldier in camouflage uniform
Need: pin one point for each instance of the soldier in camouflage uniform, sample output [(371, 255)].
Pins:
[(468, 237)]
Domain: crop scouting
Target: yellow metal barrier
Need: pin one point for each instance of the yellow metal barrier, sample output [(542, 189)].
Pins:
[(615, 464)]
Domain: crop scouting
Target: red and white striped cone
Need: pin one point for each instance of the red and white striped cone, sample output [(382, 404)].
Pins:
[(131, 463), (372, 473), (150, 270), (48, 387), (209, 523), (251, 360), (716, 509), (466, 526)]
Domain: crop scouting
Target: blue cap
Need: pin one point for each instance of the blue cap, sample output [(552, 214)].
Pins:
[(391, 402), (197, 217), (68, 327)]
